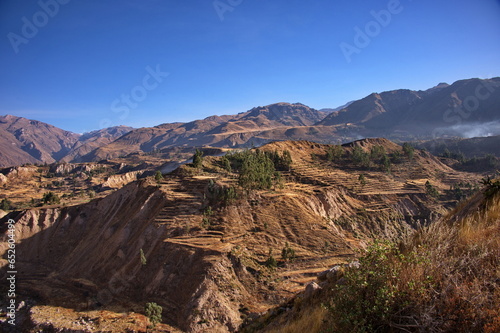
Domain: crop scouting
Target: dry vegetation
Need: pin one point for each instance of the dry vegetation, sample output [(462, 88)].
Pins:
[(444, 278)]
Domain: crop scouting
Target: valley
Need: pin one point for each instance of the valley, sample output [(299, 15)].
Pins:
[(218, 251)]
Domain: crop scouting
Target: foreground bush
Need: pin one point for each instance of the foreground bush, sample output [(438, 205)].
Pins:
[(445, 278)]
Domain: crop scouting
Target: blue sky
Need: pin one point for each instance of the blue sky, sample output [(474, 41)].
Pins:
[(89, 64)]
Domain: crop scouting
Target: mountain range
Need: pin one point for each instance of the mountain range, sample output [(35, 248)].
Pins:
[(465, 108)]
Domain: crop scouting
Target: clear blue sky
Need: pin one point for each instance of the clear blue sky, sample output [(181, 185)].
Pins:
[(75, 69)]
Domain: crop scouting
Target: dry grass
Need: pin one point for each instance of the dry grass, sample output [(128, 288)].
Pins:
[(310, 321), (446, 278)]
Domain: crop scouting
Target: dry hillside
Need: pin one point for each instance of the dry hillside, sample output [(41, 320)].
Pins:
[(218, 254)]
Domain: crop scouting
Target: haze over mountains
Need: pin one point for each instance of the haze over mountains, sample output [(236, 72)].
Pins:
[(465, 108)]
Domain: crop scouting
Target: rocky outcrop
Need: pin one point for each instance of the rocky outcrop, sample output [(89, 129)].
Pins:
[(117, 181)]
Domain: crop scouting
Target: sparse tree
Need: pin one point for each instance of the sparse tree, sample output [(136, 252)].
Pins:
[(158, 176), (226, 164), (198, 159), (153, 312), (5, 204), (271, 261), (362, 179), (386, 163), (50, 198), (287, 253), (408, 150), (334, 153), (431, 190)]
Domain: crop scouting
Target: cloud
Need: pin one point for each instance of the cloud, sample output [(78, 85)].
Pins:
[(474, 130)]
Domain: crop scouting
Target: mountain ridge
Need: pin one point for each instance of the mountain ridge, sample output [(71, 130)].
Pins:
[(405, 115)]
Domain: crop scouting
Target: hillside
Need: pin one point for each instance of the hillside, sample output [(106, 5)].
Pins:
[(30, 141), (444, 278), (208, 238)]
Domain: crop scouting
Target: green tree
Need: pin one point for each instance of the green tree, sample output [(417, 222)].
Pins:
[(5, 204), (362, 179), (50, 198), (386, 163), (226, 164), (257, 171), (271, 261), (408, 150), (377, 152), (334, 153), (198, 159), (360, 157), (158, 176), (153, 312), (287, 253), (431, 190)]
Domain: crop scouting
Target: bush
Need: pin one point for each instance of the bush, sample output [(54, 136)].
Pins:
[(334, 153), (158, 176), (50, 198), (198, 159), (5, 204), (257, 171), (226, 164), (271, 261), (431, 190), (380, 294), (360, 157), (490, 187), (220, 195), (362, 179), (153, 312), (377, 152), (287, 253), (408, 150)]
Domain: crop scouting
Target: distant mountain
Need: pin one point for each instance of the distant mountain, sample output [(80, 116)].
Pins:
[(329, 110), (95, 139), (30, 141), (466, 108), (437, 111), (257, 126)]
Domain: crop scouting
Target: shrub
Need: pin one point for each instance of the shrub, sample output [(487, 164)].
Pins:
[(431, 190), (362, 179), (271, 261), (377, 152), (257, 171), (198, 159), (220, 195), (334, 153), (444, 278), (490, 187), (153, 312), (408, 150), (360, 157), (50, 198), (386, 163), (287, 253), (5, 204), (226, 164), (380, 294), (158, 176)]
